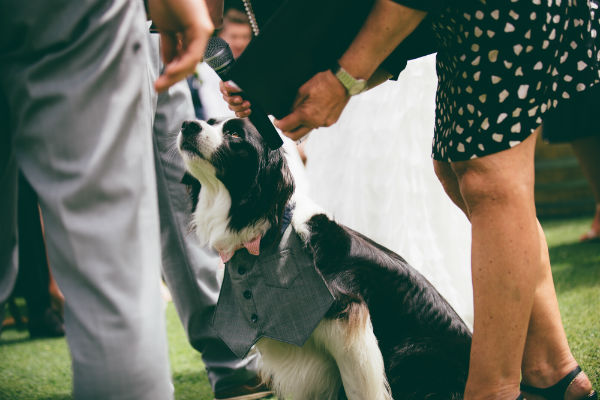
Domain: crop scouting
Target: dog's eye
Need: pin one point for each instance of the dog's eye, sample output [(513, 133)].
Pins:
[(233, 133)]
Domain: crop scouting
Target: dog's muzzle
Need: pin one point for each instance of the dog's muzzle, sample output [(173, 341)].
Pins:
[(190, 128)]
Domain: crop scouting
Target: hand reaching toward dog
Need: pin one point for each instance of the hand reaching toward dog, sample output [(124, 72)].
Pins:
[(319, 102), (185, 26)]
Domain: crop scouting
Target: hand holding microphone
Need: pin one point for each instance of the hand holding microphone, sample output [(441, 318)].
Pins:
[(232, 94), (219, 57)]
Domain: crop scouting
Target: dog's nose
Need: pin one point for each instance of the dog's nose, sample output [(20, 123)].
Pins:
[(190, 128)]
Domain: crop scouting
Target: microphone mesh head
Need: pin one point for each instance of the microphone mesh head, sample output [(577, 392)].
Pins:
[(218, 56)]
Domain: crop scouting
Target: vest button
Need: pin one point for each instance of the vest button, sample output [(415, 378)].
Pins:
[(247, 294), (254, 318), (241, 270)]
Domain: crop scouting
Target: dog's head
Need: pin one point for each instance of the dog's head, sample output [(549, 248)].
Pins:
[(232, 157)]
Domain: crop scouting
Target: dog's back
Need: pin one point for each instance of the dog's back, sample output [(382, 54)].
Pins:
[(424, 343)]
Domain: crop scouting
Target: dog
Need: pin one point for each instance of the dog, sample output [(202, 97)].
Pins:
[(387, 332)]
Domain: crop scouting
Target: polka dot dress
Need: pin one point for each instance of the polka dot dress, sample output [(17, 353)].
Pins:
[(503, 64)]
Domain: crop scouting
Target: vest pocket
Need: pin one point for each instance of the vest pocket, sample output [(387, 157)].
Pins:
[(281, 270)]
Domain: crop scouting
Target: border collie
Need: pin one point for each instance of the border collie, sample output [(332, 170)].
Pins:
[(388, 333)]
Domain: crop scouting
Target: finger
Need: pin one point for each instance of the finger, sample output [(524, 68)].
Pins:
[(299, 133), (243, 114), (240, 108), (176, 70), (290, 123), (169, 78), (233, 100), (231, 87), (223, 89), (180, 67)]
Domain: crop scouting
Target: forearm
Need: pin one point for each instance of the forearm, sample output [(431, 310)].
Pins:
[(387, 25)]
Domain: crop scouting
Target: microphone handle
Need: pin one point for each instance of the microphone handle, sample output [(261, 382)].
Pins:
[(263, 124)]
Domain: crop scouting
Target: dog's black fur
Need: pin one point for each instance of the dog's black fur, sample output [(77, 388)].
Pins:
[(424, 343)]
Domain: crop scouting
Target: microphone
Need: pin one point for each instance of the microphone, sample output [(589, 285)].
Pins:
[(219, 57)]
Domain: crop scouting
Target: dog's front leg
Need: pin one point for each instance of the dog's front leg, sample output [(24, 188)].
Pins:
[(353, 345)]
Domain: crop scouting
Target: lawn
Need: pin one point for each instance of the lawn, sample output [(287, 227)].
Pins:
[(40, 369)]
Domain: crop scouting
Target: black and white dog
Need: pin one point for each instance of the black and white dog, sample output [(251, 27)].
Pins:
[(389, 333)]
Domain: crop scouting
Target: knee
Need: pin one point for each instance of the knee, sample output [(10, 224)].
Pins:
[(449, 182), (447, 178), (482, 188)]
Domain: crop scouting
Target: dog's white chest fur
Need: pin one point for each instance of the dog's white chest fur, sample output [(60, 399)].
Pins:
[(336, 354)]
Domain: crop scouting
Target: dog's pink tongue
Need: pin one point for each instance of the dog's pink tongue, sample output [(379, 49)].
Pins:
[(252, 246)]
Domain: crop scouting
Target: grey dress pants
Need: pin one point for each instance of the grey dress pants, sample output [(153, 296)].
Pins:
[(189, 269), (75, 117)]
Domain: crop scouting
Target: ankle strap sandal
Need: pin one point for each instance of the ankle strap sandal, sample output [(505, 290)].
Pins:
[(557, 391)]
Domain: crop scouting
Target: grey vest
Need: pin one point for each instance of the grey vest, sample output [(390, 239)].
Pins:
[(278, 294)]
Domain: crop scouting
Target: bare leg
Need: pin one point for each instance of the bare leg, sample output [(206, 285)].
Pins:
[(506, 265), (547, 357), (587, 151)]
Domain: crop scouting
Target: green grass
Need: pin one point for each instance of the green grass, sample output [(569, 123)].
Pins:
[(576, 271), (40, 369)]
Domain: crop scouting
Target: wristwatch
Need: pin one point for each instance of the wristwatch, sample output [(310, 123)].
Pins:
[(353, 86)]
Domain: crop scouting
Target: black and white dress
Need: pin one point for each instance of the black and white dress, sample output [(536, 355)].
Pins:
[(505, 66)]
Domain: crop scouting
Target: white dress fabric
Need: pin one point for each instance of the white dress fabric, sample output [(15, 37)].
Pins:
[(373, 172)]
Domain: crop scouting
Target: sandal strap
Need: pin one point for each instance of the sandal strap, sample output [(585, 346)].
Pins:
[(557, 391)]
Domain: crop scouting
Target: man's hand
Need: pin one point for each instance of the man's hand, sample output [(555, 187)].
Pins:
[(319, 102), (185, 26)]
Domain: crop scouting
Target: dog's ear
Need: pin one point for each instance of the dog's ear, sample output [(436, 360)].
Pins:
[(193, 188), (279, 181), (215, 121)]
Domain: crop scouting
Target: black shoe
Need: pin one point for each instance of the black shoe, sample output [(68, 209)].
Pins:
[(557, 391), (47, 325), (251, 390)]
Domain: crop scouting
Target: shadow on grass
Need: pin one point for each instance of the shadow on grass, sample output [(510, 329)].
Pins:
[(575, 265), (8, 342), (14, 334)]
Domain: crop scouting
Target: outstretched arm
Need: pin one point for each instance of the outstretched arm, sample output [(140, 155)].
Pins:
[(320, 101)]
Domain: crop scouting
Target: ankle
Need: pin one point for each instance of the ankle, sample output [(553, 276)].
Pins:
[(577, 389), (545, 373)]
